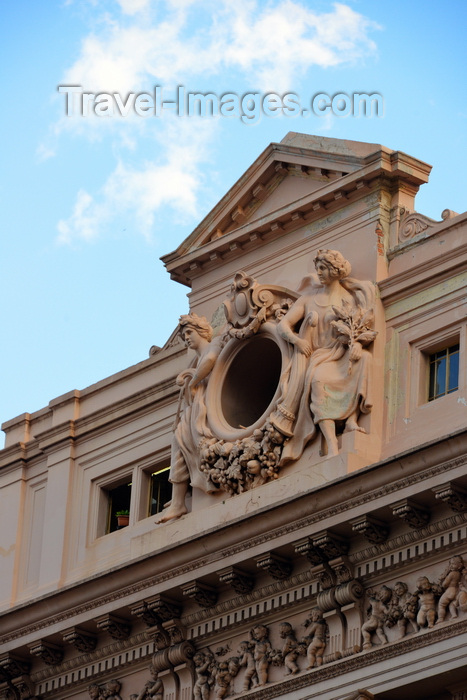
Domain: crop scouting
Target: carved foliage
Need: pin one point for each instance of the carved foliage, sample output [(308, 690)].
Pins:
[(244, 464)]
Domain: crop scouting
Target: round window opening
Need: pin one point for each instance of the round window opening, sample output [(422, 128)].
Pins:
[(251, 382)]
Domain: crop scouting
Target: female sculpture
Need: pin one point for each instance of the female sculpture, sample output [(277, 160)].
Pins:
[(191, 423), (330, 369)]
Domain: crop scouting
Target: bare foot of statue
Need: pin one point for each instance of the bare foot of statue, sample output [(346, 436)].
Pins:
[(351, 425), (171, 513)]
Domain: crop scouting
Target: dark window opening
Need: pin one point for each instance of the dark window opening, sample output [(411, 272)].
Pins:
[(118, 502), (161, 490), (251, 382), (444, 372)]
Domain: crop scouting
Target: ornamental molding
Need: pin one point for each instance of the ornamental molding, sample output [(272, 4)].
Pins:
[(413, 224), (121, 654), (291, 527)]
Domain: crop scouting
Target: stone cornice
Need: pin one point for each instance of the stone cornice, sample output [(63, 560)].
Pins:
[(251, 235), (133, 580)]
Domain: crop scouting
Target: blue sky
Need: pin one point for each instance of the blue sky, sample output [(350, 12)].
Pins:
[(89, 204)]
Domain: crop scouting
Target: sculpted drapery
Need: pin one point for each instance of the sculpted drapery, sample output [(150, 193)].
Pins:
[(329, 378)]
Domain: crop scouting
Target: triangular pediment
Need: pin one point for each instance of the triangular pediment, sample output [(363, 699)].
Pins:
[(287, 178), (285, 172)]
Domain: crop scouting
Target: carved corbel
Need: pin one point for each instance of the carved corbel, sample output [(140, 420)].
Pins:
[(330, 544), (155, 610), (348, 588), (412, 513), (309, 550), (241, 582), (454, 495), (278, 567), (81, 639), (375, 531), (181, 653), (12, 666), (143, 612), (343, 569), (164, 607), (325, 576), (204, 594), (175, 630), (22, 688), (51, 654), (116, 627)]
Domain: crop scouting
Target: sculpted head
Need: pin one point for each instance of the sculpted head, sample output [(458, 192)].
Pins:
[(259, 633), (195, 329), (285, 629), (456, 563), (400, 588), (334, 261)]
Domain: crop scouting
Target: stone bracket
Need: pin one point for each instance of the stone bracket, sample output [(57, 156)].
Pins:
[(116, 627), (241, 582), (412, 513), (51, 654), (452, 494), (374, 530), (330, 544), (278, 567), (204, 594), (81, 639)]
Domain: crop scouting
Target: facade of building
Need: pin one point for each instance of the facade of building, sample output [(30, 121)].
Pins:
[(311, 414)]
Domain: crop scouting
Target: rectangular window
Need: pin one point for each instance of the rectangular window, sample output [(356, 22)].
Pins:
[(444, 372), (118, 506), (160, 490)]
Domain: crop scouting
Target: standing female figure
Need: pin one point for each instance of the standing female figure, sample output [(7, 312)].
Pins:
[(328, 325)]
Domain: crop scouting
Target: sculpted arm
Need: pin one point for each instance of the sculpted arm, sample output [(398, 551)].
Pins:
[(295, 314), (206, 362)]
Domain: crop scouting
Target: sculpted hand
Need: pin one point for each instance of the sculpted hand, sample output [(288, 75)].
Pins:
[(304, 346), (355, 352), (183, 376)]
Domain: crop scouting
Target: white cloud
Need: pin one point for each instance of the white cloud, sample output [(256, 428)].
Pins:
[(199, 44), (136, 194), (273, 40)]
